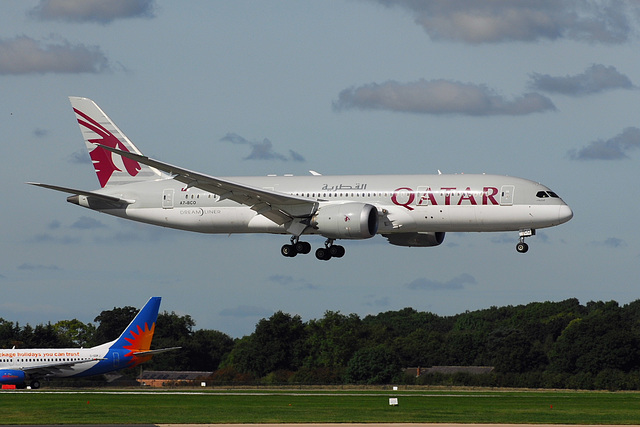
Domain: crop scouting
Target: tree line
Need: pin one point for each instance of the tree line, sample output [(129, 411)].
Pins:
[(543, 345)]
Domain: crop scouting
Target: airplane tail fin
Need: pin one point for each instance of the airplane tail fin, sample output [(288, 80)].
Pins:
[(98, 129), (138, 335)]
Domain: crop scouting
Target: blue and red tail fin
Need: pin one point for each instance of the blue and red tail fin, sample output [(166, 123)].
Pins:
[(138, 335), (98, 129)]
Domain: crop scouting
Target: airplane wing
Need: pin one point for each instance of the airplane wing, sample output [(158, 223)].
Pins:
[(278, 207), (56, 367), (103, 197), (160, 350)]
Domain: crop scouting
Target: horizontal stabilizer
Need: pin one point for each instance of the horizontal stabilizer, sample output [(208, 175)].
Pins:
[(91, 194), (151, 352)]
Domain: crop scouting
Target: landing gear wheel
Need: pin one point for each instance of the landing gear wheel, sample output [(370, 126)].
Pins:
[(288, 251), (522, 247), (336, 251), (323, 254), (302, 247), (35, 384)]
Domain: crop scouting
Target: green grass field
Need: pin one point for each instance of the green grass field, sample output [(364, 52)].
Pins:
[(263, 406)]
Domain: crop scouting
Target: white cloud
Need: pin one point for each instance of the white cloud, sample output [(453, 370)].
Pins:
[(615, 148), (439, 97), (87, 223), (54, 240), (38, 267), (80, 157), (262, 150), (99, 11), (40, 133), (595, 79), (611, 242), (24, 55), (494, 21)]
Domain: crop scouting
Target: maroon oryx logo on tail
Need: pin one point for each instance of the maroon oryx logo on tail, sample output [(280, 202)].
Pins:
[(102, 159)]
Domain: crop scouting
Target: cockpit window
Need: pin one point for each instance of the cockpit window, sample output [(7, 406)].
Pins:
[(544, 194)]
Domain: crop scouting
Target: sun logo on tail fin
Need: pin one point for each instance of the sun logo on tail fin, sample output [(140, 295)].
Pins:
[(140, 340), (102, 159)]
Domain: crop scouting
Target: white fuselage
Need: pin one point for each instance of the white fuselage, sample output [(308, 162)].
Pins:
[(405, 203), (81, 361)]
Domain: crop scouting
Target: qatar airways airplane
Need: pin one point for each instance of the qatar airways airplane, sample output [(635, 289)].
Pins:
[(132, 347), (408, 210)]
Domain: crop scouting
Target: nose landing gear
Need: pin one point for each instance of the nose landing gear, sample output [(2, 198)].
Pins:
[(522, 247)]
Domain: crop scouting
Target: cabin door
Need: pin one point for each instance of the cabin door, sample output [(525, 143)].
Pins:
[(167, 198), (506, 195)]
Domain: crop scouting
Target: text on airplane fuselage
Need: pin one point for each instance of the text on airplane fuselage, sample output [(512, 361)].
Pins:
[(407, 197), (39, 354), (445, 196)]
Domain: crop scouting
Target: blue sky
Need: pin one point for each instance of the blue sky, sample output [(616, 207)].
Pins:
[(545, 90)]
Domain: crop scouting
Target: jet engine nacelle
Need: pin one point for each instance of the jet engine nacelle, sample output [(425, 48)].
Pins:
[(11, 376), (347, 221), (416, 239)]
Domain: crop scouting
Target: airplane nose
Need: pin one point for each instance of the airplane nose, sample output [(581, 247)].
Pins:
[(564, 214)]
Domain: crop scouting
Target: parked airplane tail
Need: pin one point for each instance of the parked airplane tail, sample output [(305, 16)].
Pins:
[(138, 335), (136, 338), (133, 345), (98, 129)]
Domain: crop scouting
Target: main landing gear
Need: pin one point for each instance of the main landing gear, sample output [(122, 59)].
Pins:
[(330, 251), (34, 384), (297, 247), (522, 247)]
